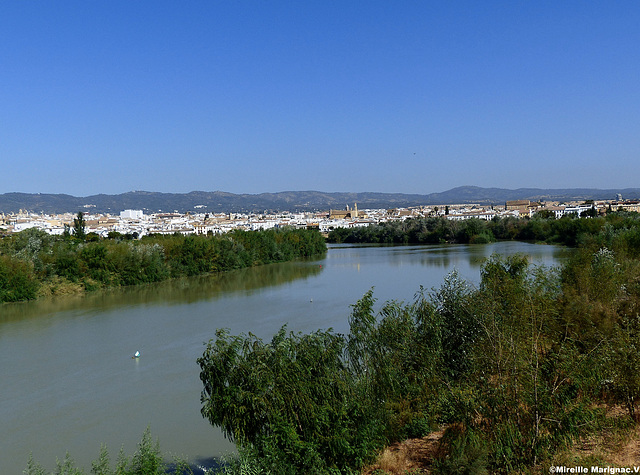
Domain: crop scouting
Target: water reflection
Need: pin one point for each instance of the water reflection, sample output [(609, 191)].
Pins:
[(170, 292), (444, 256)]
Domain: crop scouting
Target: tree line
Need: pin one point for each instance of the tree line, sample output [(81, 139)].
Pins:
[(34, 263), (542, 228), (516, 369)]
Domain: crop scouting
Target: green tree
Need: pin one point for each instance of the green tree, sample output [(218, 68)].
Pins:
[(291, 401), (101, 466), (17, 280), (459, 325), (79, 226), (147, 460), (545, 214)]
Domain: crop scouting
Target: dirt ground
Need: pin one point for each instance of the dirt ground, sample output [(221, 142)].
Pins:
[(616, 449), (415, 456), (407, 456)]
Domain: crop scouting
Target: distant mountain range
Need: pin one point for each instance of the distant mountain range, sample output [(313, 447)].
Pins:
[(221, 202)]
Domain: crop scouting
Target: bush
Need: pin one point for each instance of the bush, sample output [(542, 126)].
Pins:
[(17, 280), (290, 401), (147, 460), (465, 453)]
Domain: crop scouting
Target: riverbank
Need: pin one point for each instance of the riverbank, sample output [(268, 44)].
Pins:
[(34, 264)]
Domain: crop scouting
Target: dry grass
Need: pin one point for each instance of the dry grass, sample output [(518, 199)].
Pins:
[(616, 446), (58, 286), (412, 456)]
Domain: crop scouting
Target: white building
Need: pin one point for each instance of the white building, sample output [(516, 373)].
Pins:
[(577, 209), (131, 214)]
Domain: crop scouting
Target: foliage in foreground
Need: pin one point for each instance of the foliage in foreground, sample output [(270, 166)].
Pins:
[(518, 368), (33, 262), (147, 460)]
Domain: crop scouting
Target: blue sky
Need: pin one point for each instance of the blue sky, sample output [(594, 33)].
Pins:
[(266, 96)]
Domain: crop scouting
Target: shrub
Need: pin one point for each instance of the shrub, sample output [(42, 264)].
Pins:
[(290, 401), (147, 460), (465, 453), (17, 280)]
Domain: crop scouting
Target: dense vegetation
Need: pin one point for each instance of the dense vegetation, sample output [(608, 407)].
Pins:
[(565, 231), (516, 368), (34, 263), (147, 460)]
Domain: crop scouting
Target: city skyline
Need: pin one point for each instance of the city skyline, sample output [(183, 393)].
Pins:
[(254, 97)]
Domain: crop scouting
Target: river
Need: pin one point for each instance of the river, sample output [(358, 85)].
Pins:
[(69, 383)]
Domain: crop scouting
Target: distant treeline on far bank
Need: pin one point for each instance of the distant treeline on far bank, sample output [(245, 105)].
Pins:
[(34, 263), (439, 230)]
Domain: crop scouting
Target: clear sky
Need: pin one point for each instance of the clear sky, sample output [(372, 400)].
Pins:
[(334, 95)]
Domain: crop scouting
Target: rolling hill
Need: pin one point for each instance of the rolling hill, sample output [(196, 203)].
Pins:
[(219, 201)]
